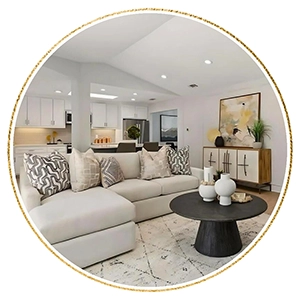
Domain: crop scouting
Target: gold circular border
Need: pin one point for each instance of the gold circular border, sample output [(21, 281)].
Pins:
[(113, 15)]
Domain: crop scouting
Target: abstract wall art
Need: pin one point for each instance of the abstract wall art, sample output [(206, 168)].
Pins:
[(235, 115)]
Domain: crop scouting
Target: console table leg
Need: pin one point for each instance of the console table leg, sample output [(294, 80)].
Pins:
[(218, 239)]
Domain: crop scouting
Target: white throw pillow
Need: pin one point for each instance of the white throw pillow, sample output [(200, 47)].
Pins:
[(154, 164), (84, 170)]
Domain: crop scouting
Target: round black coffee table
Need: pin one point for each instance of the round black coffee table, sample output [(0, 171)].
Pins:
[(218, 234)]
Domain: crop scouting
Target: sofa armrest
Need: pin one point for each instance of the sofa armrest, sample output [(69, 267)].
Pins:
[(30, 196), (199, 173)]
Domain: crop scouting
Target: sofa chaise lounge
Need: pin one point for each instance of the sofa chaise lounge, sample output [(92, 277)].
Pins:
[(97, 223)]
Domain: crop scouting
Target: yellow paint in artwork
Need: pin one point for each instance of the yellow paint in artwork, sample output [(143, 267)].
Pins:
[(212, 134), (245, 117)]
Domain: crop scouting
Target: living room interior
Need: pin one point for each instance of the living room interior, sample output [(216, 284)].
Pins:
[(169, 65)]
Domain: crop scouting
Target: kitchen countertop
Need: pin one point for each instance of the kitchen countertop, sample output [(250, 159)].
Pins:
[(65, 144), (112, 146), (39, 145)]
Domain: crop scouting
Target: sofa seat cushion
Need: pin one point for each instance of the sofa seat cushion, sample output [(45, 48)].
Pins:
[(137, 189), (177, 183), (67, 215)]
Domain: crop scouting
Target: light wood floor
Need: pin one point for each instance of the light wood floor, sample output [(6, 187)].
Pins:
[(270, 197)]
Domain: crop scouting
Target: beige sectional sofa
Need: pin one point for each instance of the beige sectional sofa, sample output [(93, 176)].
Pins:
[(92, 225)]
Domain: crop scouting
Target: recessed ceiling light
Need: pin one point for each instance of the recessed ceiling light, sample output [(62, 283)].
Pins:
[(208, 62), (58, 91), (132, 99), (102, 96), (134, 94), (103, 90), (70, 93), (163, 76)]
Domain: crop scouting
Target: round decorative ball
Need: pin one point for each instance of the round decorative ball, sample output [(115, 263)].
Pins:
[(225, 187)]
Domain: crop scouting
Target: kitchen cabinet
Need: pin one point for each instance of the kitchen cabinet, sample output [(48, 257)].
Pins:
[(104, 115), (243, 164), (29, 114), (41, 112), (134, 112), (53, 113), (42, 150)]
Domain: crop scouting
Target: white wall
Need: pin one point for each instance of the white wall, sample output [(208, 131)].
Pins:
[(197, 115)]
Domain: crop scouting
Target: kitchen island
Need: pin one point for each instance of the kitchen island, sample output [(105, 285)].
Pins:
[(110, 148)]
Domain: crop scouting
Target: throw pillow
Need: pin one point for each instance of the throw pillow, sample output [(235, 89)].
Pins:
[(84, 170), (49, 175), (111, 172), (154, 165), (179, 161)]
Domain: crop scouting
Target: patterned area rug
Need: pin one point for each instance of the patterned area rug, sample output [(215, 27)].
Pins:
[(165, 255)]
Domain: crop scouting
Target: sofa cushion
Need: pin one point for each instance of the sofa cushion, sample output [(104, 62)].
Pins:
[(137, 189), (49, 175), (84, 170), (111, 172), (67, 215), (129, 162), (179, 161), (154, 164), (177, 183)]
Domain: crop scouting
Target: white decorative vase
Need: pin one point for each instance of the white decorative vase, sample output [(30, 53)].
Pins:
[(225, 187), (257, 145), (207, 192)]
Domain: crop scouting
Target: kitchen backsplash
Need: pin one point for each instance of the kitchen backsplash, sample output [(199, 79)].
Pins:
[(38, 135), (110, 133)]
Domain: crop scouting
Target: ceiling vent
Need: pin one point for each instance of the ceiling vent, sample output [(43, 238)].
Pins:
[(193, 85)]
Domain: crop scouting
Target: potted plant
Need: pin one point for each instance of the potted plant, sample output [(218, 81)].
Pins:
[(133, 132), (258, 131), (218, 174)]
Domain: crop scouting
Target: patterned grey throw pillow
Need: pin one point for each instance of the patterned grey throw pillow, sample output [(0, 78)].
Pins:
[(49, 175), (111, 172), (179, 161)]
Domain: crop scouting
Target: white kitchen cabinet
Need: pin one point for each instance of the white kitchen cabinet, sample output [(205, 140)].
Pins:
[(41, 112), (62, 149), (243, 164), (29, 114), (19, 155), (104, 115), (112, 115), (52, 113), (134, 112), (141, 112)]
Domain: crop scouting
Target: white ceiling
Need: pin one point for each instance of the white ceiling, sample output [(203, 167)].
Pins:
[(147, 45)]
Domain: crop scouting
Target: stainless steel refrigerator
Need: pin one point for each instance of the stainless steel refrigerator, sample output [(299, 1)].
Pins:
[(142, 124)]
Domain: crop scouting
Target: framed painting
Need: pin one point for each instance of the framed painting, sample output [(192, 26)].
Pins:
[(235, 115), (168, 128)]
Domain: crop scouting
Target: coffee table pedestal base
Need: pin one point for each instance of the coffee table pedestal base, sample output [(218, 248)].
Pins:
[(218, 239)]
